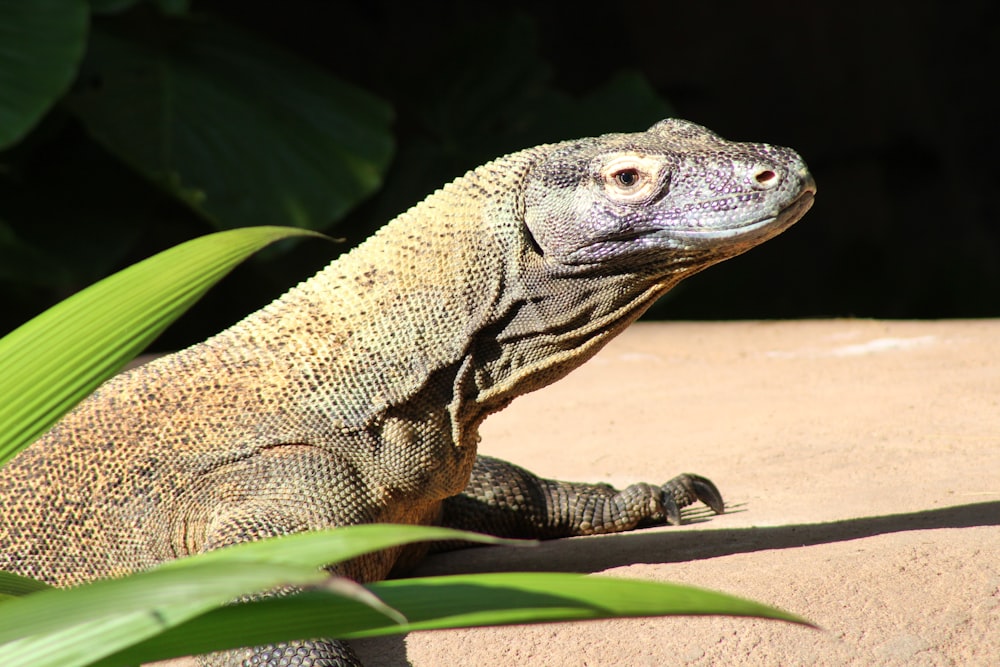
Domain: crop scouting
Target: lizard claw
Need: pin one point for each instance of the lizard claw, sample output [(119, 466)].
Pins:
[(671, 512), (686, 489)]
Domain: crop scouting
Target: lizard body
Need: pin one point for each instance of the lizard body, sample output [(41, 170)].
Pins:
[(357, 396)]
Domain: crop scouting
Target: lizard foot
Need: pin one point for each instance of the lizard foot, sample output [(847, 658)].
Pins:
[(686, 489)]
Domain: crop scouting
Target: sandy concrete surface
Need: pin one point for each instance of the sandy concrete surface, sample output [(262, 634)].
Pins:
[(860, 460)]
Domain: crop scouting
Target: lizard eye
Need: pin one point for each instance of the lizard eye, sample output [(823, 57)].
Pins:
[(631, 178), (627, 178)]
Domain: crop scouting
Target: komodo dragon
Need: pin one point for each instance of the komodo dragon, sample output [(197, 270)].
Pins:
[(356, 397)]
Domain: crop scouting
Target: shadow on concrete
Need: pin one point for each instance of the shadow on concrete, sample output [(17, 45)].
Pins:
[(693, 541), (687, 543)]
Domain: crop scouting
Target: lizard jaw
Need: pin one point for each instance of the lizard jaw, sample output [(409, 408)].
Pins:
[(758, 229)]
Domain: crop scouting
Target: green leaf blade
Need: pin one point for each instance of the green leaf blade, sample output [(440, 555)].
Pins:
[(159, 592), (437, 603), (535, 597), (316, 549), (50, 363), (12, 585), (96, 619)]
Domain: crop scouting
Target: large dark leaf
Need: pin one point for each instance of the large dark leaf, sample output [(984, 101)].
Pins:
[(41, 43), (242, 132)]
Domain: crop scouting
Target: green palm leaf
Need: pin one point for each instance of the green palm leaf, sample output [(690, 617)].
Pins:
[(52, 362)]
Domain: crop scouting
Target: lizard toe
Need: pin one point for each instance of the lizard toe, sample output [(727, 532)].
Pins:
[(671, 511), (687, 488)]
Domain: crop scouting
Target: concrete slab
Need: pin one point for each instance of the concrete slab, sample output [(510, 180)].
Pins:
[(862, 464)]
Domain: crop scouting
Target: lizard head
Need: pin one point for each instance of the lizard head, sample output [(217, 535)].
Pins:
[(676, 197)]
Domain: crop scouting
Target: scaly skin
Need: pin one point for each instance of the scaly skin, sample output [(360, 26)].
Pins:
[(357, 396)]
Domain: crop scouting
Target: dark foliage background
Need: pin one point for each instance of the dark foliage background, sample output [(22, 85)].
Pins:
[(341, 115)]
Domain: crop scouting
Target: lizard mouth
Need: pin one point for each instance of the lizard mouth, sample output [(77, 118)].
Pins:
[(754, 230)]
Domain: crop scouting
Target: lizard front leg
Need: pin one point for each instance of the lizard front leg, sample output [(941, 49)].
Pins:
[(506, 500), (257, 523), (280, 490)]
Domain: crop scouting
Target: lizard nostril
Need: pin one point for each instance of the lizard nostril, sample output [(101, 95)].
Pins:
[(765, 178)]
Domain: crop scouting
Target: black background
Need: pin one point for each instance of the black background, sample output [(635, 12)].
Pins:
[(891, 104)]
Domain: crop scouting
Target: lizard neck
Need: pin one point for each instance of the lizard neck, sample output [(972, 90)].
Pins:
[(388, 322), (550, 325)]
